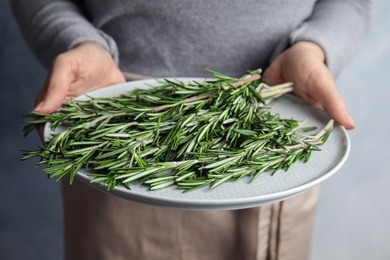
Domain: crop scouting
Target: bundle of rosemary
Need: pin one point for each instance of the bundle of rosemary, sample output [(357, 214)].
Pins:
[(189, 135)]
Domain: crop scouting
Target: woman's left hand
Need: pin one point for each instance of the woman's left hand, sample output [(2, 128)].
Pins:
[(304, 65)]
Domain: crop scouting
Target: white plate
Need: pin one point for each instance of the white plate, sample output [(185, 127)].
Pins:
[(241, 194)]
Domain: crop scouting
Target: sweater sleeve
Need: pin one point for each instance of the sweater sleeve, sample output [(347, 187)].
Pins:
[(51, 27), (338, 27)]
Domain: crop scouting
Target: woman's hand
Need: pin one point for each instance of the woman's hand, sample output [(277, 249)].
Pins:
[(303, 64), (86, 67)]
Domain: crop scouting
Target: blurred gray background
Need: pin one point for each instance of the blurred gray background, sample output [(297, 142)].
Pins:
[(353, 220)]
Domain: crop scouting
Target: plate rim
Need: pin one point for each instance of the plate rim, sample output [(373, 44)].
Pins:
[(205, 204)]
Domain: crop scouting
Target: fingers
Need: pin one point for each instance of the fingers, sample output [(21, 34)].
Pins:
[(55, 90)]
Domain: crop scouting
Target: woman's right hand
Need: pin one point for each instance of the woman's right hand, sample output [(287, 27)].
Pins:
[(86, 67)]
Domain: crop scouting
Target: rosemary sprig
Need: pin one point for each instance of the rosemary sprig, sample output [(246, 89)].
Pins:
[(189, 135)]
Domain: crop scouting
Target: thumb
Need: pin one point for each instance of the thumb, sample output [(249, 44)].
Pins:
[(335, 106), (330, 99), (273, 74), (55, 89)]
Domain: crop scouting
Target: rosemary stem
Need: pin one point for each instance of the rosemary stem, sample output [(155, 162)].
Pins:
[(247, 80), (325, 130), (188, 100)]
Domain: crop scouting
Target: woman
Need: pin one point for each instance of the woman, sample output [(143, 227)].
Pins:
[(88, 44)]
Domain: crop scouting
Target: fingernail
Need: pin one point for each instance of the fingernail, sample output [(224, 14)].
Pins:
[(349, 121), (39, 106)]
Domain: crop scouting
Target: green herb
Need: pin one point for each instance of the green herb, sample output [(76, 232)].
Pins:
[(189, 135)]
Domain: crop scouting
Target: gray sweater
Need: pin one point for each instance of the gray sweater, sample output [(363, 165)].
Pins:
[(182, 37)]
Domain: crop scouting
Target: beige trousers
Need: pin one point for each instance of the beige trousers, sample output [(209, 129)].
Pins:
[(103, 226)]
